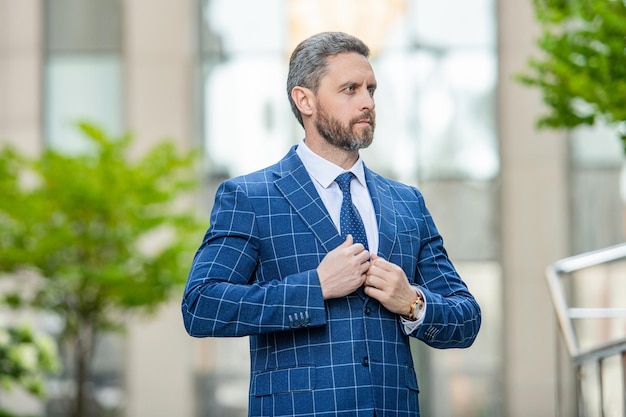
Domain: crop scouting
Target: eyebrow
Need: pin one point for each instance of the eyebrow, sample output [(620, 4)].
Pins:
[(353, 84)]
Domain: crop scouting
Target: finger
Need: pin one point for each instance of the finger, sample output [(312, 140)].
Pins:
[(376, 271), (361, 253), (357, 249), (373, 292), (363, 268), (379, 277), (371, 281), (383, 264)]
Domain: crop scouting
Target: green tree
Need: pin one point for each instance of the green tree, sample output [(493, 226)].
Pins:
[(582, 68), (105, 233)]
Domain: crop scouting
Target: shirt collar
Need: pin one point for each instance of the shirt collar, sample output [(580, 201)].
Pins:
[(324, 171)]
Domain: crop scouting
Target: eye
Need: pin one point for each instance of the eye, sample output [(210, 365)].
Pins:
[(371, 90), (350, 89)]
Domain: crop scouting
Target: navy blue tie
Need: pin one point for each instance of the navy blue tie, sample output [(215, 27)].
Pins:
[(350, 222)]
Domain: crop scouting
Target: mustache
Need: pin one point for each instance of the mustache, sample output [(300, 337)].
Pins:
[(367, 115)]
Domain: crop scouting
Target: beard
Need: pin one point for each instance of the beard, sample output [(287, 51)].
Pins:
[(343, 136)]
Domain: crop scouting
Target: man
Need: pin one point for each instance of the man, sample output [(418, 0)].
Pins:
[(328, 295)]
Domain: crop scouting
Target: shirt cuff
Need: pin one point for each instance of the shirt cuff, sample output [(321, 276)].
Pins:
[(411, 325)]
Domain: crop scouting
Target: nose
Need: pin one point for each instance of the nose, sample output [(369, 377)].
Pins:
[(367, 101)]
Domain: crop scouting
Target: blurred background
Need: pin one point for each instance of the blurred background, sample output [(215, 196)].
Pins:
[(509, 199)]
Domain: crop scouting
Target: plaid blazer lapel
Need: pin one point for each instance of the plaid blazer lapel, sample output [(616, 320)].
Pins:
[(385, 213), (294, 182)]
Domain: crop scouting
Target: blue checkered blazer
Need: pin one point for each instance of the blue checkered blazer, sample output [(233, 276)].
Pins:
[(255, 275)]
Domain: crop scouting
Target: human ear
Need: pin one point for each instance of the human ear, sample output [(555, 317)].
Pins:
[(303, 98)]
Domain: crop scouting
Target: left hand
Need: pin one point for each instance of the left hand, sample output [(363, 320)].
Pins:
[(387, 283)]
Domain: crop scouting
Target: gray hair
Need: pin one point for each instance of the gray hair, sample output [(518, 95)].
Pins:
[(308, 61)]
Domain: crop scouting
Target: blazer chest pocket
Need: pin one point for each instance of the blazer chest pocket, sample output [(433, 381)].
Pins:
[(284, 380), (408, 235)]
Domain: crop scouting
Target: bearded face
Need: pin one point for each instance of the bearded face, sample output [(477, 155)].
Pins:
[(357, 134)]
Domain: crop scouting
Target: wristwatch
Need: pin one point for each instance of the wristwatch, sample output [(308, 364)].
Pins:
[(416, 307)]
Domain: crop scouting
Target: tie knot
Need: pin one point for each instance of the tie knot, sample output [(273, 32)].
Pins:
[(343, 181)]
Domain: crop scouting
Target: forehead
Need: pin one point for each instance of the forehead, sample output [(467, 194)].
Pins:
[(349, 67)]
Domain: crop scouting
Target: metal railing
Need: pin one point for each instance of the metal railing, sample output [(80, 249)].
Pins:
[(599, 365)]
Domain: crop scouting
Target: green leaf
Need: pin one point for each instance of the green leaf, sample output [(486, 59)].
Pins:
[(581, 70)]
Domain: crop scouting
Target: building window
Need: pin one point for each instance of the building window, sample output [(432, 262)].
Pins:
[(82, 70)]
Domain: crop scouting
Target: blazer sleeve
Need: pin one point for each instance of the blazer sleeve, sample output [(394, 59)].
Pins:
[(453, 316), (222, 298)]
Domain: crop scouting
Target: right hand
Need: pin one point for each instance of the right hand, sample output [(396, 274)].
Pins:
[(343, 269)]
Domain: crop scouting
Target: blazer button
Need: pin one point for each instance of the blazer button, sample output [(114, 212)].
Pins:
[(365, 362), (368, 311)]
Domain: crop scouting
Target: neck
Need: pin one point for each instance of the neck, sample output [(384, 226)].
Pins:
[(338, 156)]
